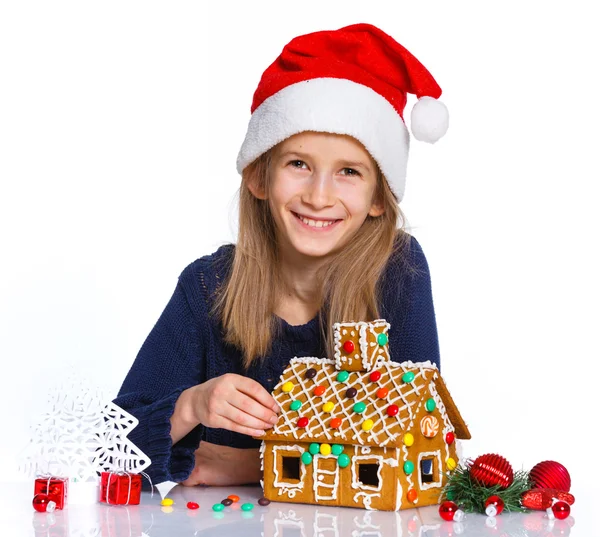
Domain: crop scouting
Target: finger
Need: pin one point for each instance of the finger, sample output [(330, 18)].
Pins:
[(241, 417), (238, 428), (257, 391), (244, 403)]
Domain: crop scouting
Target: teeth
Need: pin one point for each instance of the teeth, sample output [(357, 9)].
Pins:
[(316, 223)]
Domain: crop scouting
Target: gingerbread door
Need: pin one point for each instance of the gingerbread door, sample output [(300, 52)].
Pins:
[(326, 477)]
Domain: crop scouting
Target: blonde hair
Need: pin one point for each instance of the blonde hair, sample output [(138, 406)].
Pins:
[(348, 284)]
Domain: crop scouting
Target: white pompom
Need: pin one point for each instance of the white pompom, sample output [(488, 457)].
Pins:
[(429, 120)]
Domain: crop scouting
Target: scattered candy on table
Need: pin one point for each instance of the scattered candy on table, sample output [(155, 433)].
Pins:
[(167, 502), (234, 498), (263, 501), (218, 507), (192, 505), (247, 507), (227, 501)]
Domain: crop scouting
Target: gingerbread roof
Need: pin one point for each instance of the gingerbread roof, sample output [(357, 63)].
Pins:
[(310, 388)]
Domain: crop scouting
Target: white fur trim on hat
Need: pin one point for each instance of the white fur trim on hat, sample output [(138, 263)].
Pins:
[(334, 105)]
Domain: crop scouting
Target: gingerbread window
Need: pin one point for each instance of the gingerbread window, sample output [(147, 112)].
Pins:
[(290, 466), (368, 474)]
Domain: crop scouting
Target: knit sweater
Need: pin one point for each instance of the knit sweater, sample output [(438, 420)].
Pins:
[(186, 347)]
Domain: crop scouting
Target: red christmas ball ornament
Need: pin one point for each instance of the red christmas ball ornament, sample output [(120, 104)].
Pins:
[(561, 510), (43, 504), (494, 505), (492, 469), (449, 511), (550, 475)]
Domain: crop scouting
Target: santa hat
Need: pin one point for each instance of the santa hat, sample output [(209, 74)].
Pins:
[(352, 81)]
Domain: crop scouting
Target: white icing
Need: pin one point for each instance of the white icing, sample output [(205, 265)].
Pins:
[(320, 480), (287, 487), (398, 493), (366, 497)]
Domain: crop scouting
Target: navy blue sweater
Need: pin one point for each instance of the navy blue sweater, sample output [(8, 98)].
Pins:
[(186, 347)]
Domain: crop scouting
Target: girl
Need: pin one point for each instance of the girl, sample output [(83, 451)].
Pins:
[(323, 167)]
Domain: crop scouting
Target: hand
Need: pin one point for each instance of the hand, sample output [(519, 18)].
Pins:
[(224, 466), (235, 403)]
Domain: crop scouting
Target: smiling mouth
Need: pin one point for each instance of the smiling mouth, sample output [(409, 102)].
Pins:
[(317, 224)]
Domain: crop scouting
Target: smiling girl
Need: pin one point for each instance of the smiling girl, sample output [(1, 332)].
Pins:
[(321, 240)]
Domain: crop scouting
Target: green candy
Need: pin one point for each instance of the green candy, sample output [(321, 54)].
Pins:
[(314, 448), (218, 507), (343, 460), (295, 405), (342, 376), (306, 458), (382, 339), (247, 507), (359, 407), (408, 467), (409, 376), (430, 405), (337, 449)]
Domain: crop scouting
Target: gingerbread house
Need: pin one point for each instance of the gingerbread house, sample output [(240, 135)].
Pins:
[(360, 430)]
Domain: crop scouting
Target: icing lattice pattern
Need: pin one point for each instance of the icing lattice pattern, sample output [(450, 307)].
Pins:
[(385, 431)]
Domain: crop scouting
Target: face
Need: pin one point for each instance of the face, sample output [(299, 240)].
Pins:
[(321, 191)]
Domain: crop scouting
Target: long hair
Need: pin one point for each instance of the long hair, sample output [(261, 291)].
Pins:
[(348, 284)]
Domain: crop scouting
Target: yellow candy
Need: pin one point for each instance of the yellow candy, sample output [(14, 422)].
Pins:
[(328, 407), (166, 502), (451, 463), (367, 425), (287, 387), (409, 439), (325, 449)]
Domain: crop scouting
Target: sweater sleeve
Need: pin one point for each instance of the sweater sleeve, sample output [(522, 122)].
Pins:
[(169, 361), (413, 332)]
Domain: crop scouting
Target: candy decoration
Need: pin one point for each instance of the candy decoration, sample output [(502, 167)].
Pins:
[(310, 373), (561, 510), (342, 376), (306, 458), (166, 502), (382, 339), (494, 505), (295, 405), (382, 393), (375, 376), (247, 507), (491, 469), (449, 437), (351, 393), (392, 410), (409, 376), (359, 407), (234, 498), (335, 423), (450, 463), (328, 407), (550, 475), (541, 499), (218, 507), (343, 460), (263, 501), (409, 467), (192, 505), (408, 439), (348, 347), (337, 449), (430, 405), (313, 449), (287, 387), (411, 495), (325, 449), (302, 422), (429, 426), (367, 425), (43, 504), (447, 510), (227, 502), (319, 390)]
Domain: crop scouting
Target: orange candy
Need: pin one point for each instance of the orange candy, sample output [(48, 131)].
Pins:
[(234, 498), (411, 495), (335, 423), (319, 390), (382, 393)]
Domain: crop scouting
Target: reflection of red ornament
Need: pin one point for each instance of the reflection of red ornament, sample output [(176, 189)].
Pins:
[(550, 475), (540, 499), (494, 505), (491, 469), (449, 511), (43, 503), (561, 510)]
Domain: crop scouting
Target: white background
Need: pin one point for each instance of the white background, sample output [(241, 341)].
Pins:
[(120, 123)]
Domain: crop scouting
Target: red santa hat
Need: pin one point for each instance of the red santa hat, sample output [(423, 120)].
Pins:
[(352, 81)]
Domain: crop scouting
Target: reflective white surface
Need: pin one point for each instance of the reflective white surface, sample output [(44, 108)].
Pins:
[(275, 520)]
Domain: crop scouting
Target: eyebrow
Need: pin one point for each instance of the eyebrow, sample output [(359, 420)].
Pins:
[(349, 163)]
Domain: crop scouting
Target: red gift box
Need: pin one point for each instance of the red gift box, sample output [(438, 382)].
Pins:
[(120, 488), (54, 487)]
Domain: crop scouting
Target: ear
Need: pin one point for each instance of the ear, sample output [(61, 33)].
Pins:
[(377, 209), (253, 186)]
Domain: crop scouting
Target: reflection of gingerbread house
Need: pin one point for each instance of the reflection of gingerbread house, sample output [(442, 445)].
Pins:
[(361, 430)]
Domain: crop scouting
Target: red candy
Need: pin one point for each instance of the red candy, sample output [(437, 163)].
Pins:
[(54, 487), (319, 390), (449, 437), (374, 376), (120, 489), (392, 410), (192, 505), (349, 347), (302, 422)]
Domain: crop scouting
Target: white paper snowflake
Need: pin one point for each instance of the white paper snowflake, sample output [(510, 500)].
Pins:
[(79, 435)]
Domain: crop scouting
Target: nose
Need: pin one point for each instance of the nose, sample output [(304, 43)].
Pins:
[(319, 191)]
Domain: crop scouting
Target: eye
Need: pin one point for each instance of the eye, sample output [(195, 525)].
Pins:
[(294, 162), (354, 172)]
